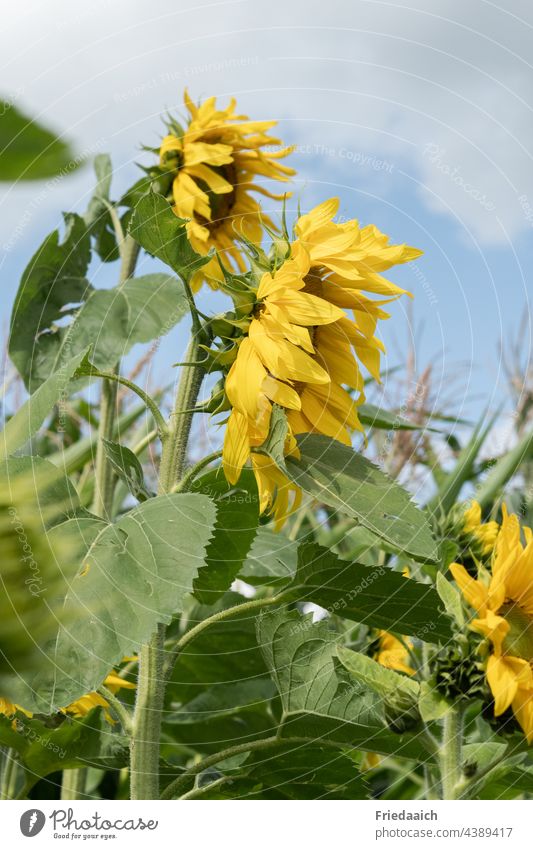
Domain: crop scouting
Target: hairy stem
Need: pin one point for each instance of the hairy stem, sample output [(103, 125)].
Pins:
[(145, 738), (73, 784), (191, 473), (175, 441), (246, 607), (450, 755), (146, 733), (104, 475), (10, 770)]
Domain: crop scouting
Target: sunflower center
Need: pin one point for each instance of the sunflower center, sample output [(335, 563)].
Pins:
[(313, 283), (519, 640)]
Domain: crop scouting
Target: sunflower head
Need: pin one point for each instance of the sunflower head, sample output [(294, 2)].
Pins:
[(502, 598), (301, 351), (211, 166), (481, 535)]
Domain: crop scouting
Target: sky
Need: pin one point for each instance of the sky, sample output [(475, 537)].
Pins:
[(418, 115)]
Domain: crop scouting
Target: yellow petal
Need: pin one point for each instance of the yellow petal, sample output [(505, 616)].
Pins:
[(474, 591), (236, 446), (502, 682)]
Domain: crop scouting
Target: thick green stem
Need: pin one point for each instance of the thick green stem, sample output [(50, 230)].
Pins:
[(174, 453), (104, 475), (144, 761), (151, 682), (73, 784), (450, 755)]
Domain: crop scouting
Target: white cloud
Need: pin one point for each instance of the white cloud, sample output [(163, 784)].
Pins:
[(440, 90)]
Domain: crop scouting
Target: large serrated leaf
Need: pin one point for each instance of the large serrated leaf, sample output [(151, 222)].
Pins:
[(233, 534), (346, 481), (374, 595), (135, 575), (319, 698), (52, 284)]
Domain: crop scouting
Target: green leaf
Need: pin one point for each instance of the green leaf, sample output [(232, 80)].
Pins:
[(43, 749), (223, 654), (97, 217), (128, 468), (112, 321), (293, 771), (29, 151), (374, 595), (29, 418), (431, 704), (319, 699), (376, 417), (233, 534), (157, 302), (164, 235), (272, 559), (52, 285), (221, 715), (33, 497), (451, 599), (136, 574), (503, 470), (385, 682), (345, 481)]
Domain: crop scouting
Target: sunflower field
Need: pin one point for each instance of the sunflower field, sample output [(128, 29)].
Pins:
[(220, 589)]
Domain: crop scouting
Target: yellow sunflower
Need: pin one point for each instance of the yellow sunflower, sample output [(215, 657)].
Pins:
[(216, 161), (81, 707), (393, 653), (503, 601), (301, 349), (484, 533)]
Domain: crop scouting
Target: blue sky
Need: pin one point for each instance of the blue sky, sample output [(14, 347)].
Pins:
[(419, 117)]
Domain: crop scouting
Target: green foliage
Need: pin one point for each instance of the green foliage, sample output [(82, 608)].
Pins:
[(319, 699), (128, 468), (233, 534), (29, 151), (346, 481), (52, 285), (135, 574), (164, 235), (29, 418), (292, 771), (61, 743), (272, 559), (376, 596)]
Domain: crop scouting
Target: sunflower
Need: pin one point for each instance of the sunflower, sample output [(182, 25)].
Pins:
[(484, 533), (81, 707), (503, 601), (215, 162), (301, 349), (393, 653)]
